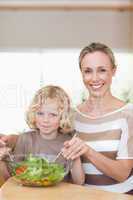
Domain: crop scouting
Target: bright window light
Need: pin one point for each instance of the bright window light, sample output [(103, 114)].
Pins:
[(23, 73)]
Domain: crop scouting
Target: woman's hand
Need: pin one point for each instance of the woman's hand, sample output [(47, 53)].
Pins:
[(74, 148)]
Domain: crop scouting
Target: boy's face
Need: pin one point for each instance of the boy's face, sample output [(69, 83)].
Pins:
[(48, 119)]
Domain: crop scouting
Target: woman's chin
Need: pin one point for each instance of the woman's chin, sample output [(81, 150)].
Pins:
[(96, 94)]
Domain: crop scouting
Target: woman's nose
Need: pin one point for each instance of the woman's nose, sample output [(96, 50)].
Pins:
[(95, 76)]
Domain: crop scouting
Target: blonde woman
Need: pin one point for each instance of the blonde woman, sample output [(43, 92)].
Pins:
[(104, 124)]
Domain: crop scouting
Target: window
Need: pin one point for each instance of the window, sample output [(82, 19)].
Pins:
[(23, 73)]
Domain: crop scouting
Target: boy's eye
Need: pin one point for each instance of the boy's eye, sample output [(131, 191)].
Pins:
[(50, 114), (40, 113), (53, 114)]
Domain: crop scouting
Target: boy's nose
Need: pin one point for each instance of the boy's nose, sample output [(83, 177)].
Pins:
[(45, 117)]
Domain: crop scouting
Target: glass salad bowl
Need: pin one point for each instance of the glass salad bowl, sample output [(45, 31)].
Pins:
[(36, 171)]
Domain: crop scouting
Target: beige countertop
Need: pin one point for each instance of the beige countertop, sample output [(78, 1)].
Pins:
[(62, 191)]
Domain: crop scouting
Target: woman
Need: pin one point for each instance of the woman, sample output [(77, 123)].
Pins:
[(104, 124)]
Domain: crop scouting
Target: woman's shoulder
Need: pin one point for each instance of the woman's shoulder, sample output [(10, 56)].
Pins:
[(79, 107), (129, 106), (120, 109), (128, 110)]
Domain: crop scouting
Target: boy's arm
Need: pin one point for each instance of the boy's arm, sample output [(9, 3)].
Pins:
[(77, 172), (4, 173), (8, 140)]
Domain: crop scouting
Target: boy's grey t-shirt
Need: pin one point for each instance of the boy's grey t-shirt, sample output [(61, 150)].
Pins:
[(33, 143)]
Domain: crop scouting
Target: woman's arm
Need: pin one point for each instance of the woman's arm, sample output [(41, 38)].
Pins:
[(77, 172), (116, 169)]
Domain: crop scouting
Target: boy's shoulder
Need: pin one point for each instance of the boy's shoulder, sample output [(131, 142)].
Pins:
[(68, 135), (72, 133), (63, 137), (27, 134)]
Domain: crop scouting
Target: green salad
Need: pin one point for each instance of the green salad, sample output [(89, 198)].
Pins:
[(36, 171)]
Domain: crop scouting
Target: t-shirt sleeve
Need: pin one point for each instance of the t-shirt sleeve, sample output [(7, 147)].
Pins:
[(19, 151), (125, 150)]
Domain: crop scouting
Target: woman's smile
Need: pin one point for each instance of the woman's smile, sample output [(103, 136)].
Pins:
[(96, 86)]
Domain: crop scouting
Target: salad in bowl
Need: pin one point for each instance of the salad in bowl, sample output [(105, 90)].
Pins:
[(36, 171)]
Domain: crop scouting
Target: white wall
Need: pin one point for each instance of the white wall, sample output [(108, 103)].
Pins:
[(59, 29), (131, 25)]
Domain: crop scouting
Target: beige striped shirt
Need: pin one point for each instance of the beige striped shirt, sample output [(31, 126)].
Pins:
[(111, 135)]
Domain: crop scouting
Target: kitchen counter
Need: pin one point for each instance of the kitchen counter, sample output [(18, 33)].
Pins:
[(62, 191)]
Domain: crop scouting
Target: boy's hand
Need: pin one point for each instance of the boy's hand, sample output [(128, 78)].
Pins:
[(8, 140), (3, 140), (3, 152)]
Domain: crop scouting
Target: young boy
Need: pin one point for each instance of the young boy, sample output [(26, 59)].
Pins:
[(49, 117)]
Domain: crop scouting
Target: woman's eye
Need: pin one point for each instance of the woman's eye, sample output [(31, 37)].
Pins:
[(87, 71), (103, 70)]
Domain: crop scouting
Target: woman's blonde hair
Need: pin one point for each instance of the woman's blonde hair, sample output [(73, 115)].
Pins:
[(96, 46), (52, 92)]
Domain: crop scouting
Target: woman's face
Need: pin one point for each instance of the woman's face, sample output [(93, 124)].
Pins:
[(48, 118), (97, 72)]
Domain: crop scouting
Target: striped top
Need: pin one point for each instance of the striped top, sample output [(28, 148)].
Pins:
[(111, 135)]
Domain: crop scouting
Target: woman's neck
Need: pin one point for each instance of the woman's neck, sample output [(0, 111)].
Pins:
[(98, 106), (100, 101)]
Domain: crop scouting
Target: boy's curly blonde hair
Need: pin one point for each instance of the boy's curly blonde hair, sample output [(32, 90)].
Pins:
[(52, 92)]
